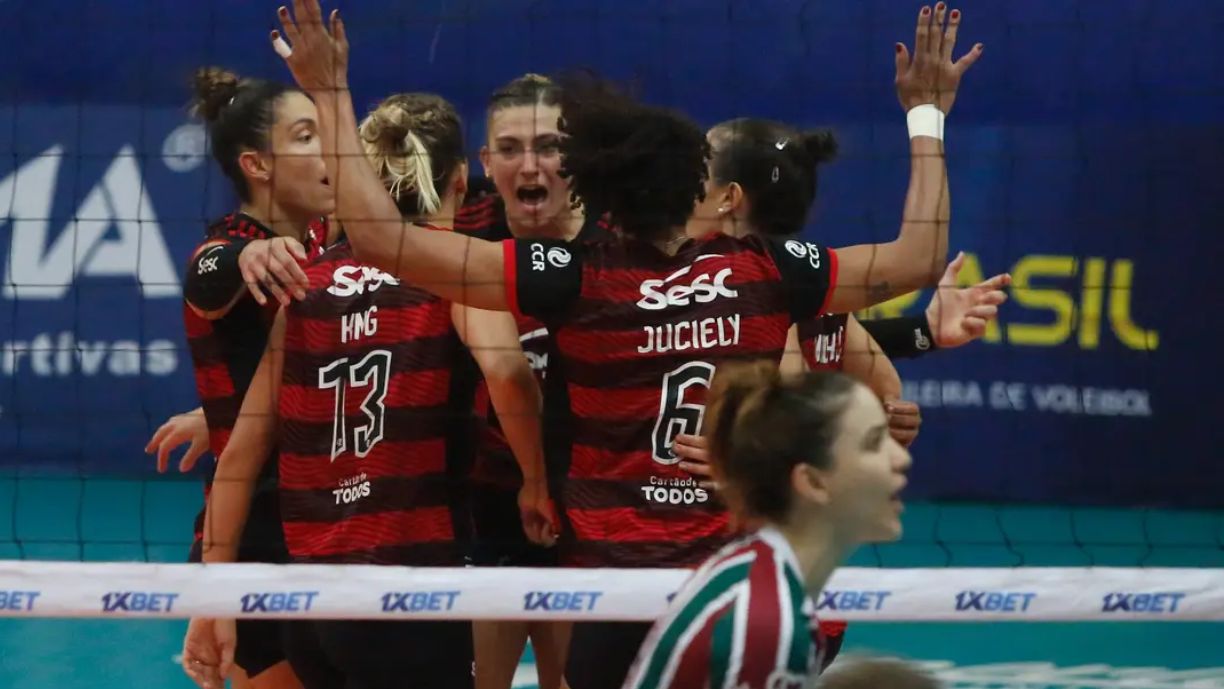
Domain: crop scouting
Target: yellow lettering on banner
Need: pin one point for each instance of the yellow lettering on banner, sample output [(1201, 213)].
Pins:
[(971, 274), (1091, 299), (1127, 331), (1058, 301)]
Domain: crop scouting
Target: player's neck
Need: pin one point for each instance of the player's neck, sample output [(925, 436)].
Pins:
[(445, 215), (670, 244), (816, 549), (275, 218), (564, 227)]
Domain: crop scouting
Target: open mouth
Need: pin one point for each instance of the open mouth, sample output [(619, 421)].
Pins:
[(326, 182), (532, 195)]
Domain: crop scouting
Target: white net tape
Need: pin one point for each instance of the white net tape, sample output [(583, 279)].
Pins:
[(63, 589)]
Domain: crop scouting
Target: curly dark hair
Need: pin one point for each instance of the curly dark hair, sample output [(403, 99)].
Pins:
[(642, 165)]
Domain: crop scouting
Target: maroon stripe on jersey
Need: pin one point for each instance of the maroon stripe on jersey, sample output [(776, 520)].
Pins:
[(682, 491), (628, 315), (694, 667), (434, 554), (400, 425), (367, 531), (764, 619), (510, 268), (389, 494), (630, 373), (214, 380), (712, 332), (415, 359), (629, 525), (386, 459), (822, 341), (320, 306), (424, 392), (471, 223), (665, 552)]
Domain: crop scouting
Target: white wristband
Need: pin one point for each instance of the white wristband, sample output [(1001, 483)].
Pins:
[(925, 120)]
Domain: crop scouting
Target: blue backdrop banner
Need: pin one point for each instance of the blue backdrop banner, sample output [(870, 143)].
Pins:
[(1084, 153)]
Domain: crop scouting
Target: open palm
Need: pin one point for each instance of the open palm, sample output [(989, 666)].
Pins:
[(930, 76)]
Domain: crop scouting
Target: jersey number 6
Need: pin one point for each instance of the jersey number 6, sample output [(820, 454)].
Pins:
[(675, 415), (374, 370)]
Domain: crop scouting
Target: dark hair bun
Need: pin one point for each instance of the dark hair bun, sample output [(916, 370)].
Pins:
[(820, 144), (214, 87)]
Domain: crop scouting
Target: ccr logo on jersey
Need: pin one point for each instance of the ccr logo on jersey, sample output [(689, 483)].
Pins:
[(558, 256), (800, 249)]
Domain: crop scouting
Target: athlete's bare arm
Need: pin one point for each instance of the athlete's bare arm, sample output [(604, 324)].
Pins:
[(871, 273), (453, 266)]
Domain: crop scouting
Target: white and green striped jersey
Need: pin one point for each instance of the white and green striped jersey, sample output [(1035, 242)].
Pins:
[(744, 621)]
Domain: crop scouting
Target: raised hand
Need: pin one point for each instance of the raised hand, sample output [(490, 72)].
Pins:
[(317, 55), (930, 75), (958, 315)]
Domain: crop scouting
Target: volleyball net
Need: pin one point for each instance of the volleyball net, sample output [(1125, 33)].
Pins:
[(1088, 391)]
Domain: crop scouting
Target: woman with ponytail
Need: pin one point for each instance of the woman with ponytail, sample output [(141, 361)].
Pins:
[(808, 463)]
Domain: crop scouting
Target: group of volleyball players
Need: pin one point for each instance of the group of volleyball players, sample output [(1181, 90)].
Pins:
[(370, 353)]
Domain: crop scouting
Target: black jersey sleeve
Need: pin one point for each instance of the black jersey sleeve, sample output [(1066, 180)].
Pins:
[(809, 272), (213, 277), (543, 277)]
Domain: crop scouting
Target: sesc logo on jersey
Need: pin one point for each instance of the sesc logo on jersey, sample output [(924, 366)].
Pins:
[(703, 289), (350, 280)]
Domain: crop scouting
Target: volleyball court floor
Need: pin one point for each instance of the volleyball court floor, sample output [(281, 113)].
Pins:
[(108, 520)]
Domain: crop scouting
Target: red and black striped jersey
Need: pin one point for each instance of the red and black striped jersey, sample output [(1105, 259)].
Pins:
[(823, 341), (225, 351), (494, 461), (365, 473), (744, 620), (639, 334)]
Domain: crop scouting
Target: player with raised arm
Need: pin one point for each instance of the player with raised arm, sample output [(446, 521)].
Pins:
[(763, 179), (360, 376), (640, 321), (522, 158), (808, 461), (264, 136)]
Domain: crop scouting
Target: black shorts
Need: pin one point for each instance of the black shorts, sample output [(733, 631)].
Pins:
[(375, 654), (260, 642), (601, 653), (263, 539), (500, 541)]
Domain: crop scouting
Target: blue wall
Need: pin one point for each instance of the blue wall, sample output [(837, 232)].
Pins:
[(1084, 153)]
